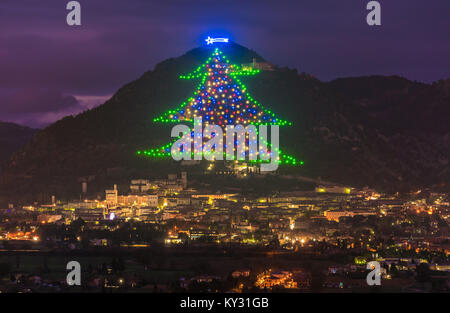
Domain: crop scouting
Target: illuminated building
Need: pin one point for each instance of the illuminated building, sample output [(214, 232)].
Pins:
[(333, 189), (262, 66), (111, 196)]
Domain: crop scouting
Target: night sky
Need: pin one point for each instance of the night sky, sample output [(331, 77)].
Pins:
[(49, 70)]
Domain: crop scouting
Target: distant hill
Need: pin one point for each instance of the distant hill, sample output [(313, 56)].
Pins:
[(12, 138), (382, 131)]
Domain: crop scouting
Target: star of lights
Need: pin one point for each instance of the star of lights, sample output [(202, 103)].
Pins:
[(210, 40)]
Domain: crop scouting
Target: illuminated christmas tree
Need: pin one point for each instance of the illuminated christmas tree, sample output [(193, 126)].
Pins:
[(221, 99)]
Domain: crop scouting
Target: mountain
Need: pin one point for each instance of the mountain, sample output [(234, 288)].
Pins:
[(12, 138), (382, 131)]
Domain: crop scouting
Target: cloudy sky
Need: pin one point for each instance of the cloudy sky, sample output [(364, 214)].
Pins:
[(49, 70)]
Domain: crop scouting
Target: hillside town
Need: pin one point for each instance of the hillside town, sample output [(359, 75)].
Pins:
[(164, 235)]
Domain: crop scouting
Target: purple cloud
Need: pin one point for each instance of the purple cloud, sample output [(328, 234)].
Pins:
[(37, 107)]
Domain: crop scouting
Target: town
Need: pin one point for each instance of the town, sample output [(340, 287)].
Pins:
[(166, 235)]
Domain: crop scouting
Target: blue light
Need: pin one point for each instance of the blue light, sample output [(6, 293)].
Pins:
[(210, 40)]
